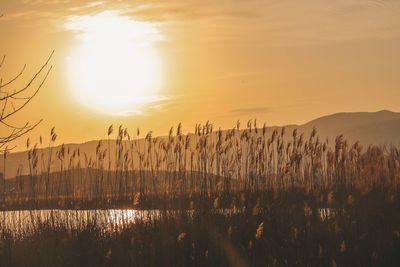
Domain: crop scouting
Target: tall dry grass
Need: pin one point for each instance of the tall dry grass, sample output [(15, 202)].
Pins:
[(204, 163), (241, 197)]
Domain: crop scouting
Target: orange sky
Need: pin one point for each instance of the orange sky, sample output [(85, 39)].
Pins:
[(282, 62)]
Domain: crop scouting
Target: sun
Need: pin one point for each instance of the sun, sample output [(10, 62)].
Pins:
[(115, 68)]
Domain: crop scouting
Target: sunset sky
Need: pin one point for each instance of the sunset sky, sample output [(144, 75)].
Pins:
[(152, 64)]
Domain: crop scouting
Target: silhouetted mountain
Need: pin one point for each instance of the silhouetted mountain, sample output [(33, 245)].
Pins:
[(377, 128)]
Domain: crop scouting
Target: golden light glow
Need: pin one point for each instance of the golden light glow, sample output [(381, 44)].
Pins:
[(115, 68)]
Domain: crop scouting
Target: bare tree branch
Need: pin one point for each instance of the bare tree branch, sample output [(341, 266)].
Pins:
[(13, 79), (31, 81), (14, 127), (17, 133), (3, 117), (4, 58), (8, 109)]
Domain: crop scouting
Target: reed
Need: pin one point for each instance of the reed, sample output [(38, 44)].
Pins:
[(206, 162), (247, 196)]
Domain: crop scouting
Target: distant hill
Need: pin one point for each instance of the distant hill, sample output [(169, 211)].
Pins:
[(377, 128)]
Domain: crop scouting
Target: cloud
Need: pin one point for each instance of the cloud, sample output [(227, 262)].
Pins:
[(193, 10), (109, 24), (154, 104), (269, 23), (280, 23)]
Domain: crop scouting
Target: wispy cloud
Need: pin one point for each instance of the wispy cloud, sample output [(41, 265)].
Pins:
[(87, 6), (106, 23), (282, 22), (155, 104)]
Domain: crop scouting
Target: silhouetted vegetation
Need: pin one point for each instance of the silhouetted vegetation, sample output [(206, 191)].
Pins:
[(242, 197)]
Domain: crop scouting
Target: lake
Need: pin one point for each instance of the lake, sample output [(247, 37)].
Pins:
[(23, 222)]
